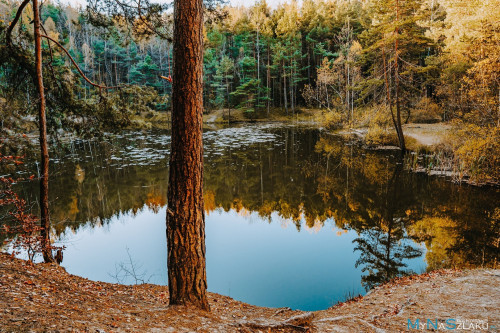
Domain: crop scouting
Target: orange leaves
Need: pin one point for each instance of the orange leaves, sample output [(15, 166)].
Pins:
[(29, 283), (22, 228), (10, 159), (156, 200)]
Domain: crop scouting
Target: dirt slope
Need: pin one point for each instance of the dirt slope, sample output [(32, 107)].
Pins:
[(45, 298)]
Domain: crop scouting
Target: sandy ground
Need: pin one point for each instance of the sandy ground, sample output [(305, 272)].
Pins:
[(44, 298), (428, 134)]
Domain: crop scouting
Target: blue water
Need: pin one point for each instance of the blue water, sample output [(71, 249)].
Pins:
[(248, 258)]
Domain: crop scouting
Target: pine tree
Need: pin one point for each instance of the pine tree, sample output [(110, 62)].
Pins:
[(394, 46), (187, 277)]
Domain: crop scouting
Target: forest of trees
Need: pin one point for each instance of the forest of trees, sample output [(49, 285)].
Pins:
[(335, 55), (362, 63)]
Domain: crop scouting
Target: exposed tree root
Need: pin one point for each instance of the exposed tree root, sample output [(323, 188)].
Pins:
[(299, 323)]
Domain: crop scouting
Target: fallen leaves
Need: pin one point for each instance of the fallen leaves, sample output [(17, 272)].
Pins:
[(46, 298)]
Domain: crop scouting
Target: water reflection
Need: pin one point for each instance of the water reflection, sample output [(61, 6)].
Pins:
[(385, 246), (353, 217)]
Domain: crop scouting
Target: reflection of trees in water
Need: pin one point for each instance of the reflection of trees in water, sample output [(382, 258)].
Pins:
[(382, 256), (89, 187), (384, 245), (450, 243), (468, 234), (479, 244), (301, 176)]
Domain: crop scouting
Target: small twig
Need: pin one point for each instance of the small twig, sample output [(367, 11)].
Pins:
[(299, 322), (125, 270), (168, 78)]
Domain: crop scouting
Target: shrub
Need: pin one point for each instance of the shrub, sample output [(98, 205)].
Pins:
[(426, 111), (377, 135), (332, 120), (477, 152), (21, 228), (380, 127)]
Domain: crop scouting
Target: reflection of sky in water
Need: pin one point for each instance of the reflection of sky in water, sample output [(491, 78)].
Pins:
[(278, 171), (249, 259)]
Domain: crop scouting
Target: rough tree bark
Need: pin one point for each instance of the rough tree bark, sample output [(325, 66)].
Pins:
[(44, 181), (185, 213)]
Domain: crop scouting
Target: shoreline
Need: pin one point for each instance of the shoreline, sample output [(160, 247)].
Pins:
[(426, 140), (44, 297)]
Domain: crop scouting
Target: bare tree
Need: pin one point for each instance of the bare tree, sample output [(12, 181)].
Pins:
[(44, 151), (38, 77)]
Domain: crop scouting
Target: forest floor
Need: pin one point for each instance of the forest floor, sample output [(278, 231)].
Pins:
[(45, 298)]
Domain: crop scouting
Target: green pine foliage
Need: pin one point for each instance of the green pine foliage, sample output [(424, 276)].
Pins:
[(320, 54)]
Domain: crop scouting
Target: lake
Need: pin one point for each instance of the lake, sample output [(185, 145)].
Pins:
[(295, 217)]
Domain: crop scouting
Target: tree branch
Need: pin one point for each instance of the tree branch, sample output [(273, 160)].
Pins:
[(8, 35), (51, 53), (168, 78), (76, 65)]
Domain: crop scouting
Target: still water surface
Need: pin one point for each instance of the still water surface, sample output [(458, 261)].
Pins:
[(295, 216)]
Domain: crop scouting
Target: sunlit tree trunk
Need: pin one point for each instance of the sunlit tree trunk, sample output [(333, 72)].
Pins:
[(44, 181), (187, 281), (227, 97), (290, 88)]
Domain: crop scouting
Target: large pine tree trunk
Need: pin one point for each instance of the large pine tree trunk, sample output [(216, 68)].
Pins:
[(44, 181), (187, 280)]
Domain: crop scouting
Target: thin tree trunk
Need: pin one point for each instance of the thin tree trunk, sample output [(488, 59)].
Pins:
[(44, 181), (258, 69), (187, 278), (291, 88), (284, 88), (387, 89), (399, 128), (348, 99), (268, 79), (227, 96), (349, 42)]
